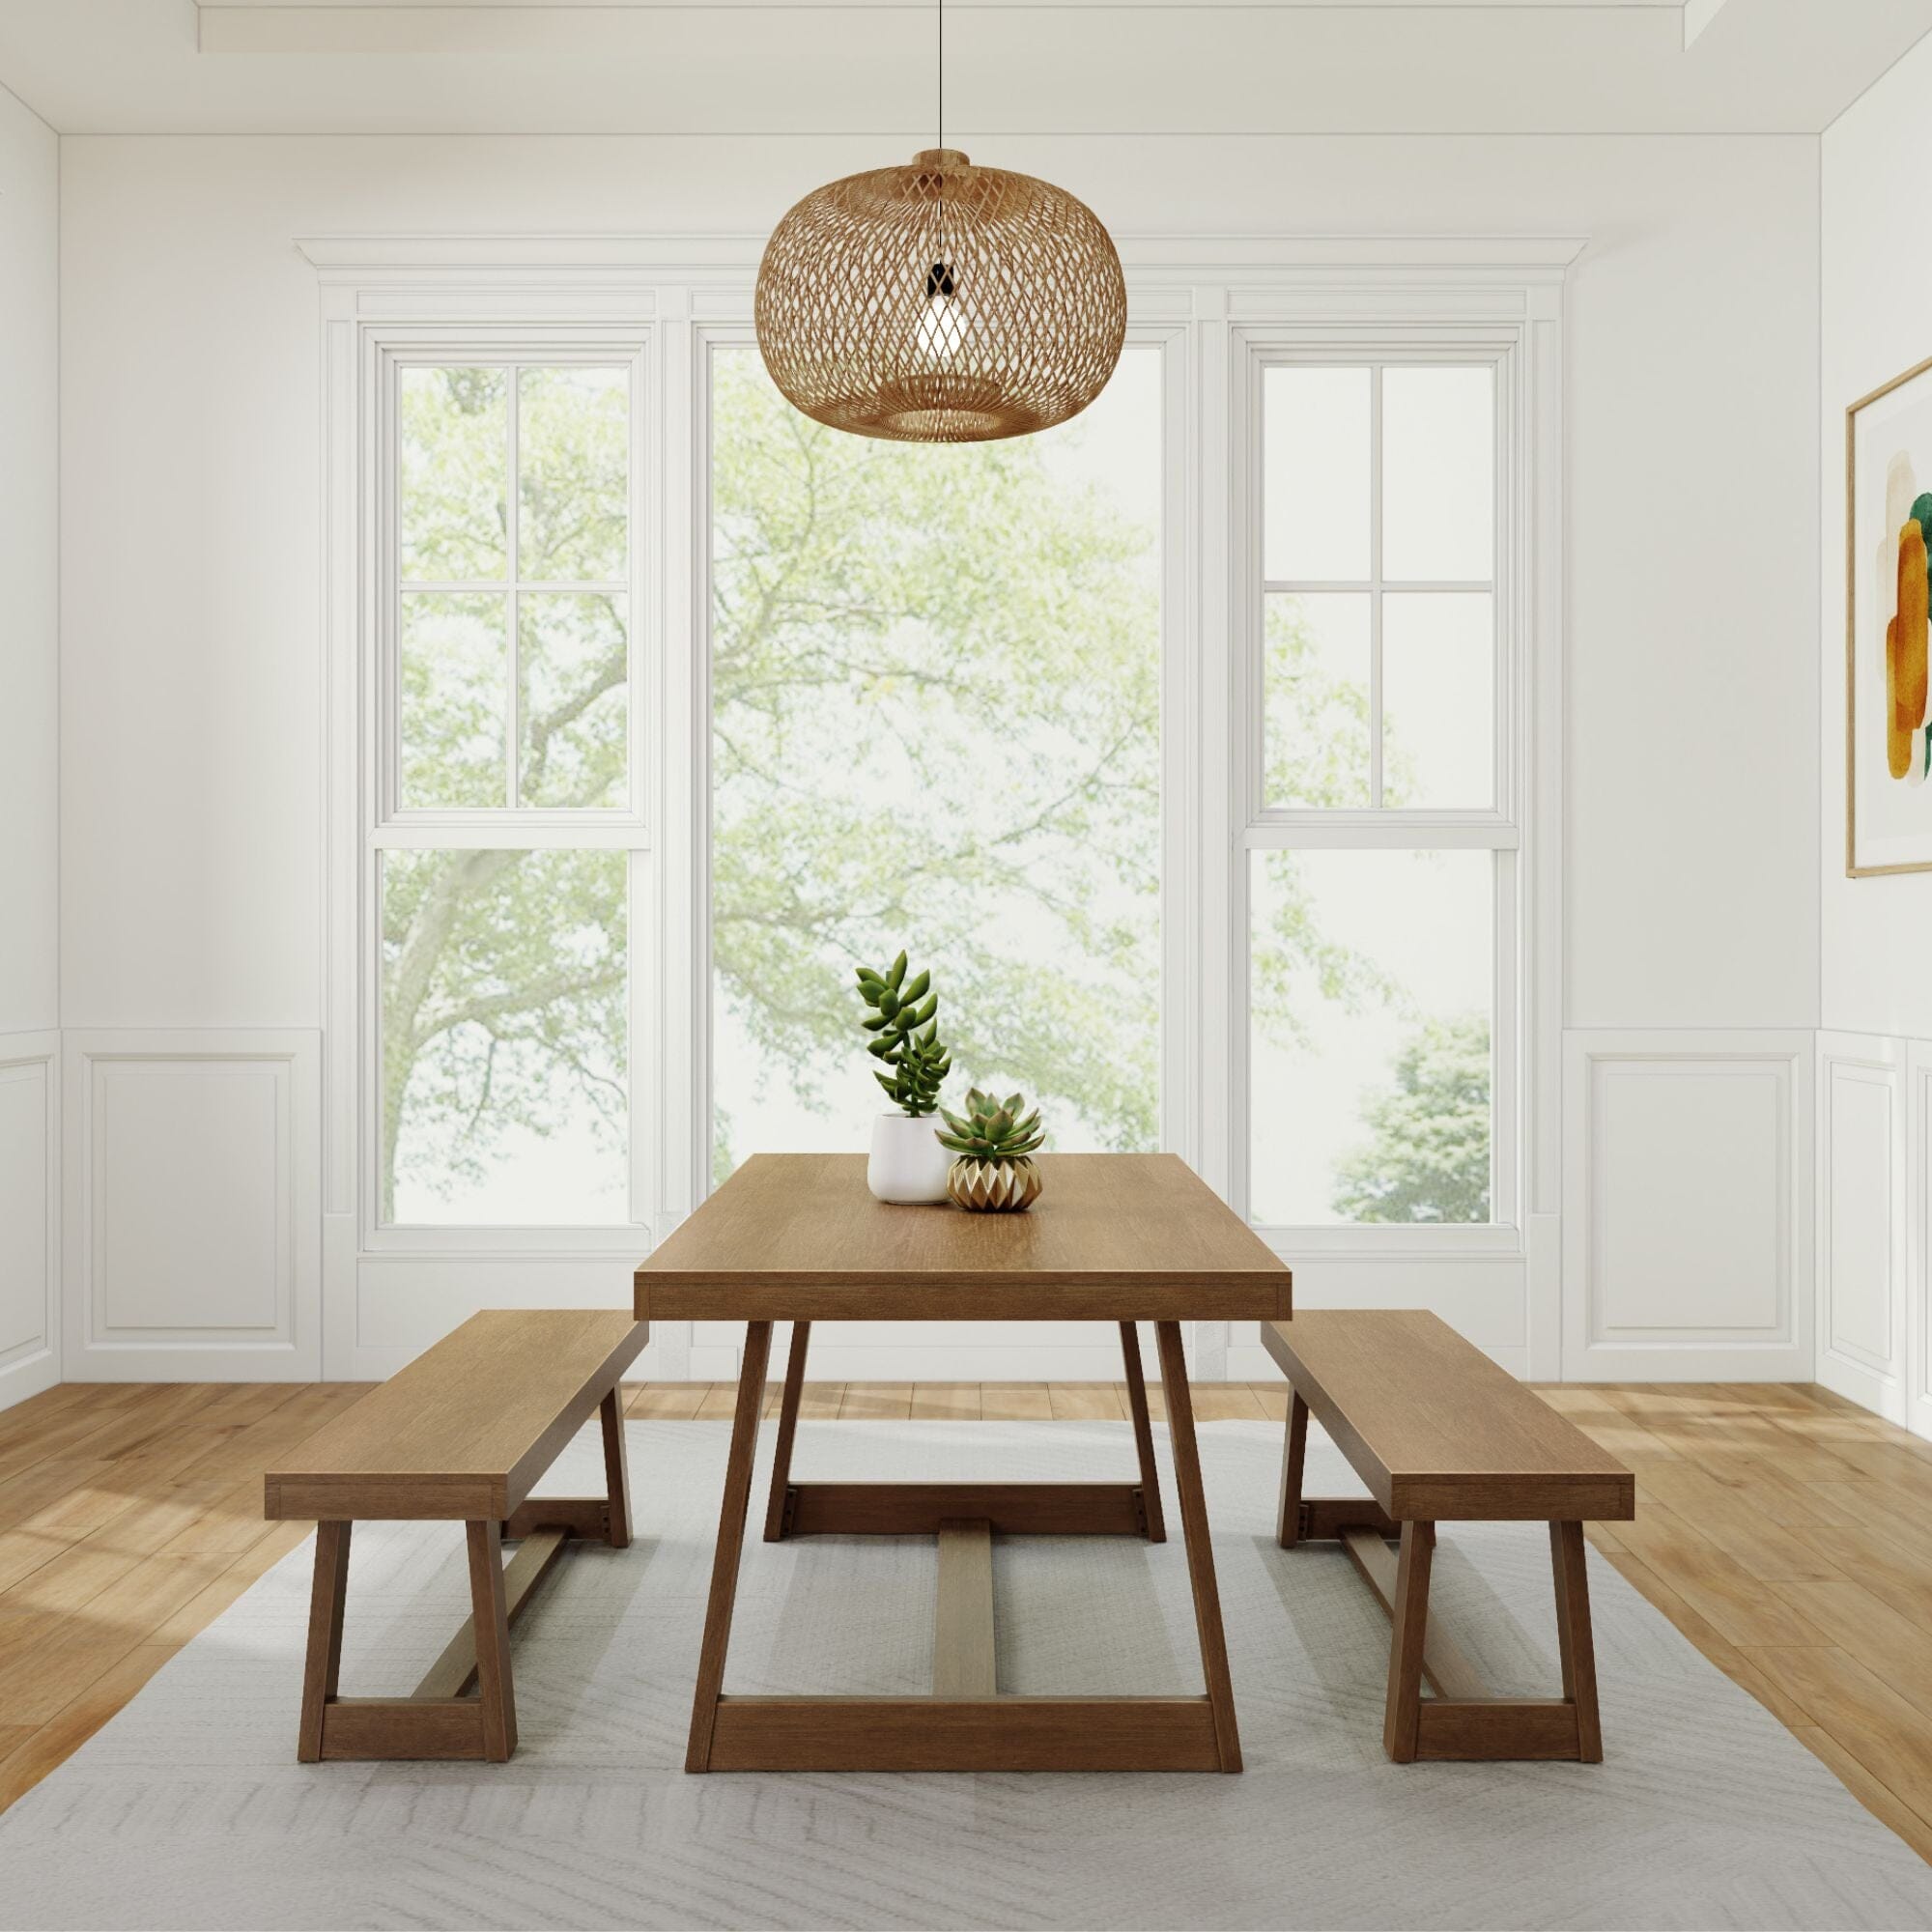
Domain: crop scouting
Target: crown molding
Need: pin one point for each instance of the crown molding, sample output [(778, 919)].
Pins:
[(338, 255)]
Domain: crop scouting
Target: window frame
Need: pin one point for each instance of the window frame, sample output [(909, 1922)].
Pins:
[(384, 1293), (1498, 829), (389, 826)]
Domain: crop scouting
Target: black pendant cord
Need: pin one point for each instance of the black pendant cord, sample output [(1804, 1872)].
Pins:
[(942, 73)]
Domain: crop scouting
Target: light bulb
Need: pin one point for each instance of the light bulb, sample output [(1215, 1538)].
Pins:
[(938, 322)]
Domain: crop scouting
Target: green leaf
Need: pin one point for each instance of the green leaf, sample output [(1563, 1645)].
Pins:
[(896, 971), (917, 990)]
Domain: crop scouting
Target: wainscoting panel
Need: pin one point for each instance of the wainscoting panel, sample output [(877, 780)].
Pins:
[(1862, 1190), (1687, 1205), (192, 1212), (29, 1214)]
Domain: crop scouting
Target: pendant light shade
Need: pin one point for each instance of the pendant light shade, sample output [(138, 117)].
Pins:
[(941, 303)]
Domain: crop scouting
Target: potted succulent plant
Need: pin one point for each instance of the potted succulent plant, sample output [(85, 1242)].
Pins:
[(907, 1163), (993, 1172)]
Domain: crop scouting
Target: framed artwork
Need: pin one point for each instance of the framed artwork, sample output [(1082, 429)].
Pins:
[(1887, 581)]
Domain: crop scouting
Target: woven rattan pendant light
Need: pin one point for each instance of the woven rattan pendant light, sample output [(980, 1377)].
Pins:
[(941, 303)]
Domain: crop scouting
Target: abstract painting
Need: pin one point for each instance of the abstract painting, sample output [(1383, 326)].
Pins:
[(1889, 599)]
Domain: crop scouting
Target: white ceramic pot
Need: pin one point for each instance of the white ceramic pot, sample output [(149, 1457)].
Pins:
[(907, 1164)]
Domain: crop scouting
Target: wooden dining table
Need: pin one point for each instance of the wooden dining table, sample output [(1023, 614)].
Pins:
[(1114, 1237)]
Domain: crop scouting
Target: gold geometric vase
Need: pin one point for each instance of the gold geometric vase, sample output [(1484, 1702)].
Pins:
[(993, 1186)]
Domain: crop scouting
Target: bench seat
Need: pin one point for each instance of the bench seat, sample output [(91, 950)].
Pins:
[(460, 1434), (1438, 1433)]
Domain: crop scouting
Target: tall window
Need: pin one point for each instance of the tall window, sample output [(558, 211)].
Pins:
[(936, 723), (1380, 860), (507, 834)]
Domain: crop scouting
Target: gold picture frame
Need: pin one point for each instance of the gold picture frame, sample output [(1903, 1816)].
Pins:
[(1854, 742)]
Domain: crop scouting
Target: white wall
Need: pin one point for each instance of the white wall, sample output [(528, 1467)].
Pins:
[(30, 750), (29, 747), (1875, 1150), (1876, 321), (190, 777), (29, 563)]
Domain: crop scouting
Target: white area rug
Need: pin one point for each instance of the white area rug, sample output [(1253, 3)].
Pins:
[(190, 1809)]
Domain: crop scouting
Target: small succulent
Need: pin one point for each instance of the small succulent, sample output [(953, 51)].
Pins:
[(992, 1129), (900, 1012)]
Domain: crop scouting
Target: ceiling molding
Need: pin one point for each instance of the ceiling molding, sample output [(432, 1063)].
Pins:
[(864, 71), (661, 253)]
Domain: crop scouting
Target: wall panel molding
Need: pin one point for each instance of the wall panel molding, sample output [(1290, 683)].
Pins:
[(1916, 1377), (1864, 1187), (30, 1229), (192, 1226), (1687, 1205)]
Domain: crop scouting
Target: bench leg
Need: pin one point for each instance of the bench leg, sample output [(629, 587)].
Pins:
[(324, 1671), (616, 1469), (1462, 1721), (794, 1390), (1573, 1636), (494, 1688), (1293, 1453), (1137, 1404), (1401, 1718)]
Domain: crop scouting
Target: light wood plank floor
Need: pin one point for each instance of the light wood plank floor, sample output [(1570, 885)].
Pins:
[(1785, 1532)]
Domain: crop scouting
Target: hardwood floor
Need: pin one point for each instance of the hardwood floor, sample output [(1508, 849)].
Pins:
[(1785, 1532)]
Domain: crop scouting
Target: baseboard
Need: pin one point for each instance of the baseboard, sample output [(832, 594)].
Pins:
[(1883, 1395), (28, 1376)]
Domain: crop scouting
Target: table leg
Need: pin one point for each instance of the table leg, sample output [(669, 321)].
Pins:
[(731, 1516), (1137, 1404), (1199, 1556), (794, 1389)]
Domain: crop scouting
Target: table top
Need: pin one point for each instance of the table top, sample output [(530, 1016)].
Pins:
[(1113, 1238)]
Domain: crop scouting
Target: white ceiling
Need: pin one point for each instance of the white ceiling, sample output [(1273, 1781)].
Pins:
[(1013, 67)]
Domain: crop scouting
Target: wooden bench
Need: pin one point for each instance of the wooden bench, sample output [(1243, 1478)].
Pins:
[(1440, 1434), (460, 1434)]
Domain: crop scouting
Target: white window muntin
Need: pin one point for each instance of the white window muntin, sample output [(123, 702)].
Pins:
[(511, 826), (1499, 829)]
